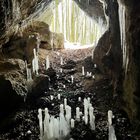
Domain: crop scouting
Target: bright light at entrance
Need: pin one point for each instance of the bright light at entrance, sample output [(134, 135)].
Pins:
[(69, 45), (79, 30)]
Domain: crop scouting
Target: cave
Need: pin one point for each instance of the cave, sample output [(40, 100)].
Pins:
[(69, 70)]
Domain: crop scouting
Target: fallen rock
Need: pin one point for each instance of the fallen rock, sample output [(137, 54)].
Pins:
[(39, 86)]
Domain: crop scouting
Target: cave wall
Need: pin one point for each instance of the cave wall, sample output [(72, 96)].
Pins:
[(17, 13), (108, 53), (131, 80), (109, 56), (93, 8)]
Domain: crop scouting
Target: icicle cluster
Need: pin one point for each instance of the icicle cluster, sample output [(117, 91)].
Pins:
[(59, 128), (54, 128), (88, 113)]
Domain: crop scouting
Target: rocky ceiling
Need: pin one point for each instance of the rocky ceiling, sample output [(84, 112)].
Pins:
[(17, 13)]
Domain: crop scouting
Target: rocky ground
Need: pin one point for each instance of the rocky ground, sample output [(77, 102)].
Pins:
[(25, 124)]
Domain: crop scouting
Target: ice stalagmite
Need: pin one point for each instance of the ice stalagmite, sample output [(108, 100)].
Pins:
[(35, 63), (40, 123), (111, 134), (47, 62)]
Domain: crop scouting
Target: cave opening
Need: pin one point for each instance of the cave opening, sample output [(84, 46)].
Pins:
[(78, 28)]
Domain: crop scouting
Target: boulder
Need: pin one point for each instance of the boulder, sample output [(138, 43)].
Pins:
[(39, 86), (12, 86), (52, 75)]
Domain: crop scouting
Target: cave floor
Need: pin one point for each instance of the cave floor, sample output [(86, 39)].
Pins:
[(99, 90)]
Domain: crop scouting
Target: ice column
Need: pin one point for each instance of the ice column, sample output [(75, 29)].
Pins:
[(78, 113), (79, 99), (86, 105), (62, 108), (65, 103), (46, 124), (29, 75), (59, 96), (35, 62), (83, 70), (68, 114), (110, 116), (112, 135), (92, 118), (122, 21), (72, 123), (61, 61), (47, 62), (40, 123), (28, 72), (64, 127)]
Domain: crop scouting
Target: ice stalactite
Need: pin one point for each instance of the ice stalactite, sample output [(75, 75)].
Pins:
[(59, 128), (106, 16), (122, 12)]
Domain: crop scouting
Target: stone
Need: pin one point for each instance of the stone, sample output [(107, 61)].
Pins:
[(12, 86), (52, 75), (70, 64), (39, 86)]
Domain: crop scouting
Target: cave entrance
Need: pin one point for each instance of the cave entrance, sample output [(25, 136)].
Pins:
[(79, 30)]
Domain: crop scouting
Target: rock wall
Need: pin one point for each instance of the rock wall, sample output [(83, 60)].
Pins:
[(16, 14), (13, 88), (131, 81), (93, 8), (108, 53), (35, 35)]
